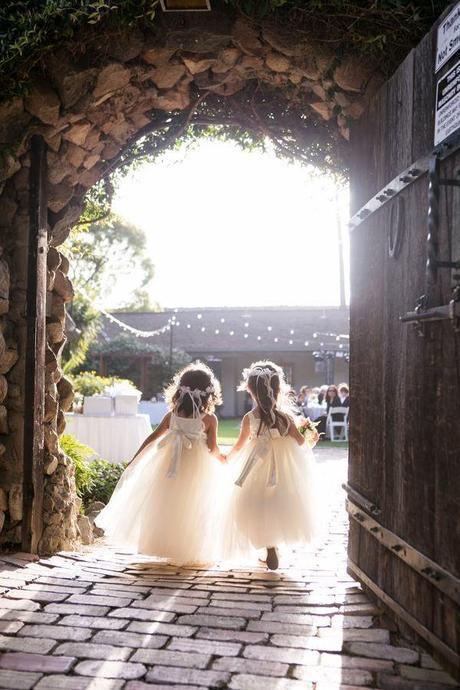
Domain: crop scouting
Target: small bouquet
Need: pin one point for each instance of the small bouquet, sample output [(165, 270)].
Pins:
[(308, 430)]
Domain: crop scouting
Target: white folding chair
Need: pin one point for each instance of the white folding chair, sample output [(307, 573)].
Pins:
[(341, 426)]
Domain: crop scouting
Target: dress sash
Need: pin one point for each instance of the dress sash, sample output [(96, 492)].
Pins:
[(178, 440), (263, 450)]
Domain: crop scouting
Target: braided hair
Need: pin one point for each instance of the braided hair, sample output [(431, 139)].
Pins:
[(265, 381)]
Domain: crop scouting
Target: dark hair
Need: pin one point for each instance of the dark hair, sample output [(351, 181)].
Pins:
[(200, 376), (334, 389), (260, 389)]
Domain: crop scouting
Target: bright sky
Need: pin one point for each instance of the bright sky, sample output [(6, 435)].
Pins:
[(227, 227)]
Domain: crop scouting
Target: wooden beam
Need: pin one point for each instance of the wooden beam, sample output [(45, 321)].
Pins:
[(424, 566), (34, 391), (446, 652), (361, 500)]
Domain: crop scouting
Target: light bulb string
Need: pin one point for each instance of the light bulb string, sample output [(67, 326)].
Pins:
[(172, 322)]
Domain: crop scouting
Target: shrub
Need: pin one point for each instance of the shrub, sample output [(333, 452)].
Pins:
[(104, 477), (95, 479), (80, 455), (89, 383)]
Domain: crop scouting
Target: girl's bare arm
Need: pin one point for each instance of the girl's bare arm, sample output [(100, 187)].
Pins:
[(161, 429), (211, 436), (295, 434), (243, 437)]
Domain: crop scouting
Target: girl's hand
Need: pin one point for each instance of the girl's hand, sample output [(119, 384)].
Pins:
[(222, 458), (304, 422)]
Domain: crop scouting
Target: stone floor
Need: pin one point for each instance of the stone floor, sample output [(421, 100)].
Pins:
[(103, 619)]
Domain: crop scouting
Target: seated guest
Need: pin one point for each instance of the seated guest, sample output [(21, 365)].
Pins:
[(344, 395), (322, 394), (332, 400), (294, 401), (314, 394), (304, 396)]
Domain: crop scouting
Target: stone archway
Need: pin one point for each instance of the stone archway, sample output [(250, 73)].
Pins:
[(89, 107)]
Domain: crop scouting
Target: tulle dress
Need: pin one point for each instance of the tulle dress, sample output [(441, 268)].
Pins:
[(273, 501), (168, 502)]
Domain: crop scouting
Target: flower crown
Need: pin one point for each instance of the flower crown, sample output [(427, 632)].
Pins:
[(196, 392), (256, 372)]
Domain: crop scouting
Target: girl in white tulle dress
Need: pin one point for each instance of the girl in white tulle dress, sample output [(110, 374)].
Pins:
[(273, 502), (167, 502)]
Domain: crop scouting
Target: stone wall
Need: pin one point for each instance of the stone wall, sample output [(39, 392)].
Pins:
[(88, 105)]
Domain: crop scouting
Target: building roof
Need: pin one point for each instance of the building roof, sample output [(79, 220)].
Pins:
[(240, 329)]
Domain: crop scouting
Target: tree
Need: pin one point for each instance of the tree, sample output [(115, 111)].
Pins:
[(104, 252), (122, 355), (103, 249)]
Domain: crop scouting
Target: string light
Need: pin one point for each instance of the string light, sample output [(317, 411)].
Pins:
[(134, 331), (173, 322)]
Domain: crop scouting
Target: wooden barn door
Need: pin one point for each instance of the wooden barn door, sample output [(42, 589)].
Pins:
[(404, 474)]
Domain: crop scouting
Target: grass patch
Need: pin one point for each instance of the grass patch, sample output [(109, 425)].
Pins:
[(228, 431), (332, 444)]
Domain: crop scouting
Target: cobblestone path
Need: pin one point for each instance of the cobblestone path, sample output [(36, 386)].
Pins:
[(101, 619)]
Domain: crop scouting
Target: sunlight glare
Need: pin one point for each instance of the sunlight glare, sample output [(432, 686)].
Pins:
[(234, 228)]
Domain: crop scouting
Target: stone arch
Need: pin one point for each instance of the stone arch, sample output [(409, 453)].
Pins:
[(89, 107)]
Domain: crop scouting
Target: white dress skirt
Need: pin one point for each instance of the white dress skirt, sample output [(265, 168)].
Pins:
[(274, 499), (168, 502)]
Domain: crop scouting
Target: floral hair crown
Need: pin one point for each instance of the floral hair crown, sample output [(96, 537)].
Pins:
[(195, 396), (256, 372), (196, 392)]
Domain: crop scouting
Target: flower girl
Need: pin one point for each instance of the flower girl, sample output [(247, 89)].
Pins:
[(273, 500), (167, 502)]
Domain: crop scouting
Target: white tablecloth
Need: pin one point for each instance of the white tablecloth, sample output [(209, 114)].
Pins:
[(315, 411), (115, 438)]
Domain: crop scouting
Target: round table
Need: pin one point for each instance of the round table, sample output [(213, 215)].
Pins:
[(114, 438), (315, 411)]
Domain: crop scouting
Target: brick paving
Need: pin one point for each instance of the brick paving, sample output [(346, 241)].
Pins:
[(105, 619)]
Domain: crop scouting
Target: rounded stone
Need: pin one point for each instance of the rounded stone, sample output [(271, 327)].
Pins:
[(51, 466), (3, 388)]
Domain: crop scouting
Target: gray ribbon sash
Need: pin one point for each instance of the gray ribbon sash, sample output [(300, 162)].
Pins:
[(263, 450), (178, 439)]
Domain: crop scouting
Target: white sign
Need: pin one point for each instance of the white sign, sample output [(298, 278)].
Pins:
[(447, 117), (448, 37)]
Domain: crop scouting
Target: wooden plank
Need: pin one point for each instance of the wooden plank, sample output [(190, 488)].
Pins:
[(427, 568), (446, 651), (35, 351)]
